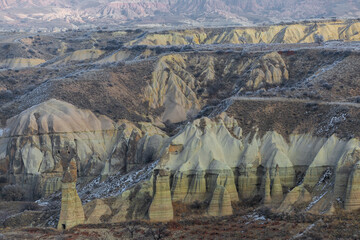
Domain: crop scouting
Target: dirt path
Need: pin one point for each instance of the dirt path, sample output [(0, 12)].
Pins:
[(280, 99)]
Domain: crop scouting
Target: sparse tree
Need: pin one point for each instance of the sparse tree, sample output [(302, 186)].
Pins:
[(12, 193), (242, 40), (190, 40), (131, 228), (319, 39), (157, 231)]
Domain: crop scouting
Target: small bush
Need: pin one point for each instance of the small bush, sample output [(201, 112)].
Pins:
[(32, 206), (12, 193)]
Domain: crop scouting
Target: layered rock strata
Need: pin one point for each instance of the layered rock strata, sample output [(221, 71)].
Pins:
[(161, 208), (292, 33), (35, 142), (212, 163), (72, 212)]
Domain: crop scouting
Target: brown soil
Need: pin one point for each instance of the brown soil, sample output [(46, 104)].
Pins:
[(291, 117), (245, 224)]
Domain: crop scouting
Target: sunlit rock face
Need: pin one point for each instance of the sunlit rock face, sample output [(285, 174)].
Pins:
[(181, 83), (36, 143), (72, 212), (211, 162), (214, 164), (292, 33), (161, 208)]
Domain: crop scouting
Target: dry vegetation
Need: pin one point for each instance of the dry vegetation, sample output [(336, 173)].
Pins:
[(246, 223)]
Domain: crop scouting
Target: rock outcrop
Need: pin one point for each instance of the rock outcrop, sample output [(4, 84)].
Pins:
[(72, 212), (81, 55), (270, 69), (35, 141), (209, 162), (292, 33), (161, 208), (352, 200), (95, 210), (297, 196), (17, 63), (181, 83), (220, 204)]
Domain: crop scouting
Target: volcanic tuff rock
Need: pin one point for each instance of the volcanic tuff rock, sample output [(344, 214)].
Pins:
[(291, 33), (209, 161), (72, 212), (352, 192), (17, 63), (161, 208), (181, 83), (38, 141)]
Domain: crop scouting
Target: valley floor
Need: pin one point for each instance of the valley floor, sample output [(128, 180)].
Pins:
[(247, 223)]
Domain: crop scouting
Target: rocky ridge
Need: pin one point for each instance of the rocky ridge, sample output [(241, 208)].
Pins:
[(156, 128)]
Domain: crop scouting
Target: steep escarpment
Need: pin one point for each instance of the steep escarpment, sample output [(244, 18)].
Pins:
[(17, 63), (216, 163), (292, 33), (37, 143), (182, 83)]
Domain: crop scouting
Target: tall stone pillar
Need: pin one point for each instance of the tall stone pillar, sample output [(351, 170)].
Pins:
[(72, 212), (161, 209)]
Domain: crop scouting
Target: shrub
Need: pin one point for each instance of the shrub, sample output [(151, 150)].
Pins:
[(12, 193), (32, 206)]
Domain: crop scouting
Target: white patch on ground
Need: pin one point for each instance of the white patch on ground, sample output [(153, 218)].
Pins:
[(114, 185), (299, 235), (254, 217)]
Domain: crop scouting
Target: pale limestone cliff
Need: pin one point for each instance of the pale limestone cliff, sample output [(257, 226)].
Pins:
[(211, 162), (276, 189), (206, 154), (173, 88)]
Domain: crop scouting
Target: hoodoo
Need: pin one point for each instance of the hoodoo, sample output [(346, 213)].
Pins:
[(72, 212)]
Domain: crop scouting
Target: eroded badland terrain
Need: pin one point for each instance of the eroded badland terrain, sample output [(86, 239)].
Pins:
[(216, 133)]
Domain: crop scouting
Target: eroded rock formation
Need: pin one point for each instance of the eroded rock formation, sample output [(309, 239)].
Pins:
[(72, 212), (161, 208), (293, 33), (35, 142)]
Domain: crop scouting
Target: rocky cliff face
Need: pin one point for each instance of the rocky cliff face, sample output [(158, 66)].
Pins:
[(37, 142), (72, 212), (291, 33), (214, 163), (152, 129)]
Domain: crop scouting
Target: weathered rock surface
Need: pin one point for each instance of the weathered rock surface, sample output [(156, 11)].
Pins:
[(220, 204), (94, 210), (161, 208), (17, 63), (298, 195), (352, 201), (36, 141), (72, 212), (181, 83), (81, 55), (292, 33), (207, 155)]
